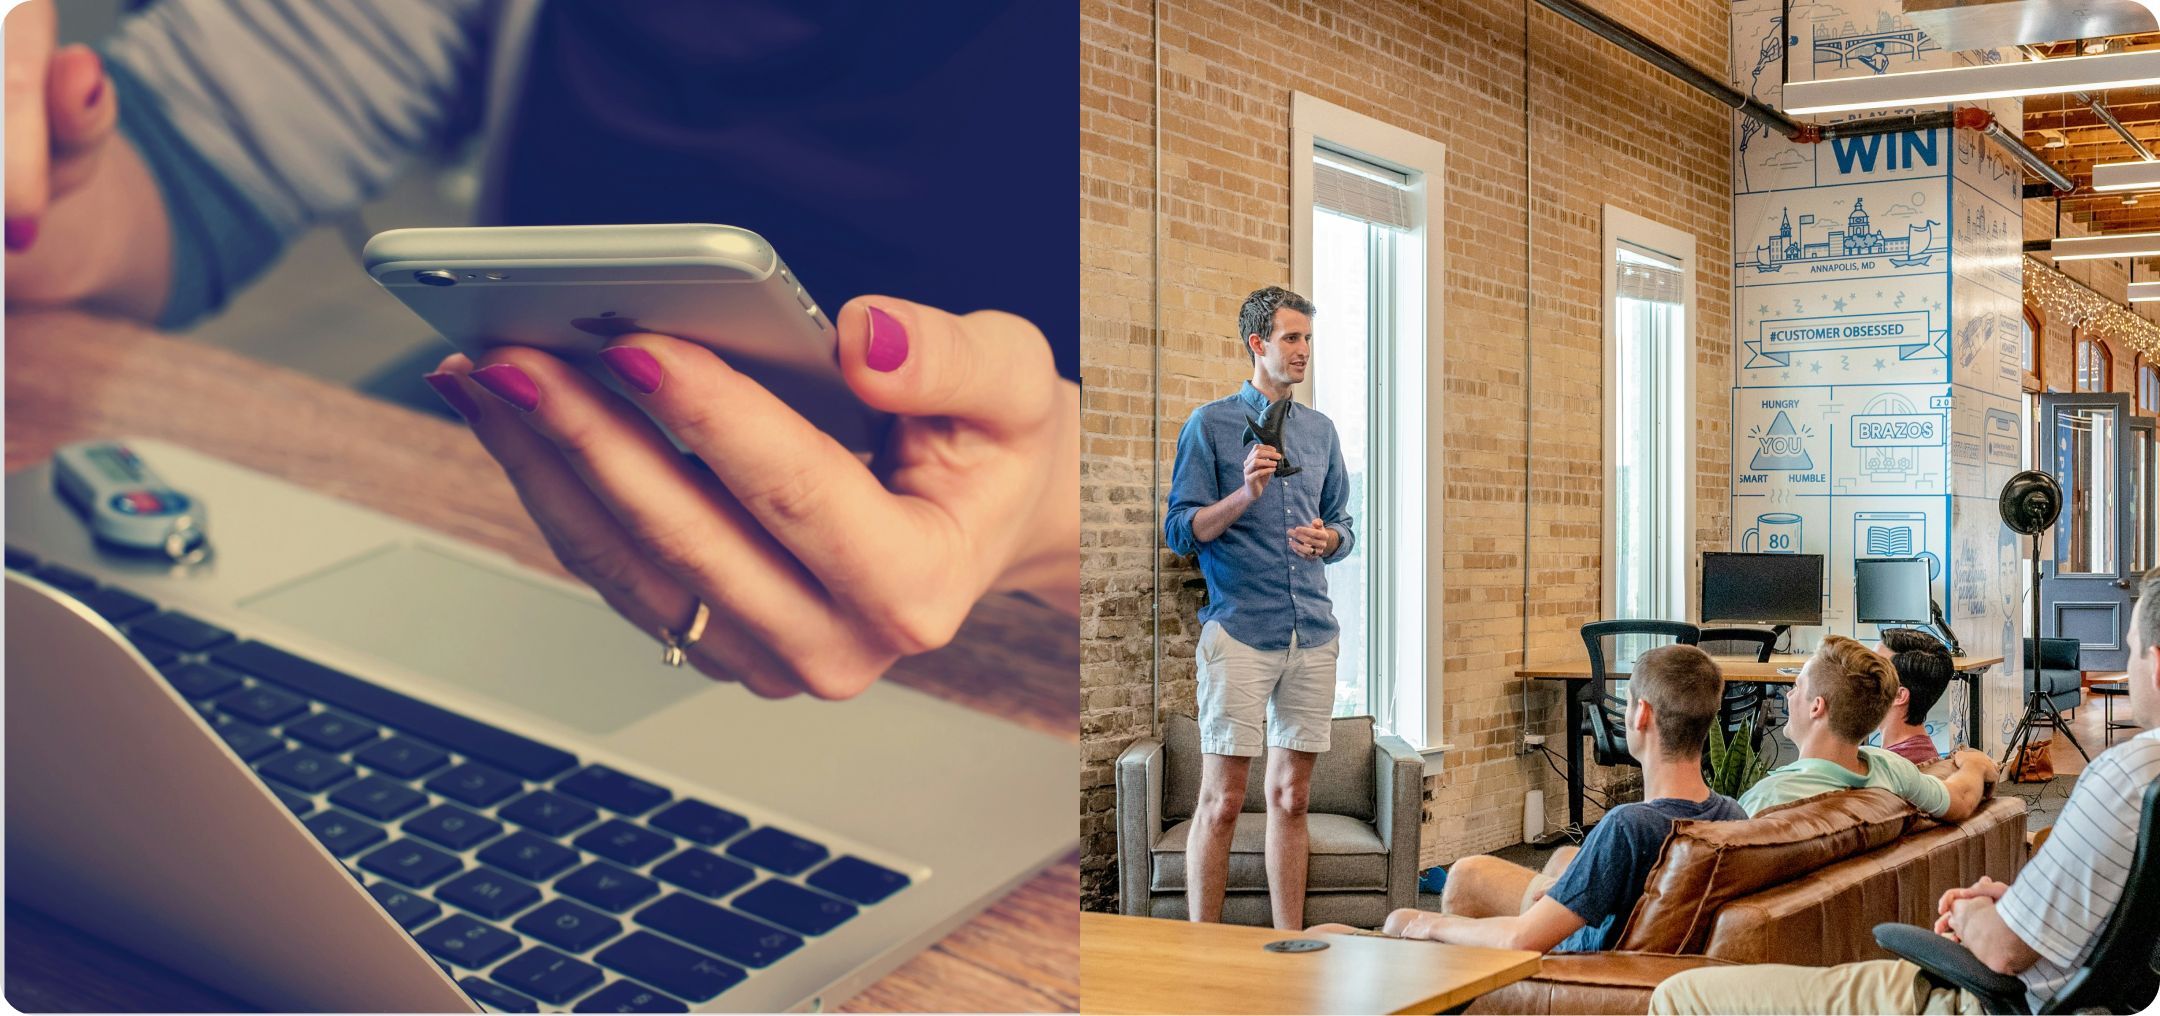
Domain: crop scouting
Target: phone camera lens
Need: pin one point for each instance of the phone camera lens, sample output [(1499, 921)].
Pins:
[(435, 277)]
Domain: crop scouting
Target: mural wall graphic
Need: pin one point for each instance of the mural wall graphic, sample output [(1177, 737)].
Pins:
[(1875, 388)]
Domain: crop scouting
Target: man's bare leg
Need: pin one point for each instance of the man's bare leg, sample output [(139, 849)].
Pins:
[(1289, 844), (1485, 886), (1207, 850)]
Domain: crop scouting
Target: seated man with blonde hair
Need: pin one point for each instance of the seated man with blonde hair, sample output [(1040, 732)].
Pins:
[(1841, 696), (1581, 902)]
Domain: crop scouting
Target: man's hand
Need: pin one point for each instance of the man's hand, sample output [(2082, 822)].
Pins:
[(1314, 540), (1260, 466), (1986, 887), (1967, 758)]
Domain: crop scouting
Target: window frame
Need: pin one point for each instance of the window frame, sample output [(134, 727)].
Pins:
[(2105, 364), (2034, 380), (1624, 227), (1316, 123)]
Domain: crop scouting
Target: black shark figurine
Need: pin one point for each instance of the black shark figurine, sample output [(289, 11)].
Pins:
[(1267, 430)]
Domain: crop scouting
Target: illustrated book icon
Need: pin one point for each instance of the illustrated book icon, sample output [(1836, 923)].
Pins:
[(1889, 541)]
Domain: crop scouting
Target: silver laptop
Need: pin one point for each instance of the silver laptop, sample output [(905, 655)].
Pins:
[(350, 764)]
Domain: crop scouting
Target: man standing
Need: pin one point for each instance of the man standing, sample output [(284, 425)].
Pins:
[(1263, 519)]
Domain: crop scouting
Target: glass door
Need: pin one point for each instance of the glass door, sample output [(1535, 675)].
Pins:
[(2085, 593)]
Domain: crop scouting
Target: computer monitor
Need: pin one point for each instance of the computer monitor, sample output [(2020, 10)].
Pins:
[(1780, 589), (1891, 590)]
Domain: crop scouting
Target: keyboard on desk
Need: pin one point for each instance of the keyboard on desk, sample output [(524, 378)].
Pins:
[(534, 879)]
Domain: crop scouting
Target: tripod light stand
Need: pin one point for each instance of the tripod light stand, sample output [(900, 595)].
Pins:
[(2029, 503)]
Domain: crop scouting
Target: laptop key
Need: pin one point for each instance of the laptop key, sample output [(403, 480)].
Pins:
[(466, 942), (794, 907), (617, 792), (547, 975), (704, 873), (408, 909), (116, 605), (299, 805), (565, 925), (247, 740), (262, 705), (628, 996), (305, 769), (344, 834), (497, 997), (452, 826), (623, 843), (411, 863), (490, 894), (528, 856), (200, 680), (852, 878), (67, 580), (378, 798), (718, 930), (606, 886), (188, 634), (685, 973), (20, 560), (696, 820), (331, 731), (401, 757), (778, 850), (520, 756), (548, 812), (475, 784), (160, 654)]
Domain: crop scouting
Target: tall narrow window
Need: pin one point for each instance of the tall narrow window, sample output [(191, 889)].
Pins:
[(1366, 240), (1649, 419), (2148, 388), (1368, 281), (2095, 366)]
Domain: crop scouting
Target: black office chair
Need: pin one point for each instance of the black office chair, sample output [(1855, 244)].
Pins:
[(2121, 975), (1605, 712), (1743, 699)]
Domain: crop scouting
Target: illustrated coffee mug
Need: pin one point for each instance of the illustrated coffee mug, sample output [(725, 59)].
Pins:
[(1773, 533)]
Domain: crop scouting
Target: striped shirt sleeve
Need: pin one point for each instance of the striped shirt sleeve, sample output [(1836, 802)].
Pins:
[(2062, 898), (280, 113)]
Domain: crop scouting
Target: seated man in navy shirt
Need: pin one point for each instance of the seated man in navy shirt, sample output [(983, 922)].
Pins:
[(1673, 695)]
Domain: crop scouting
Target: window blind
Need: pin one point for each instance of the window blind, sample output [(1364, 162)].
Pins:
[(1644, 278), (1361, 190)]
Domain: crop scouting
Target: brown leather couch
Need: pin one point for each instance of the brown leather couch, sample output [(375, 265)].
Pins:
[(1804, 883)]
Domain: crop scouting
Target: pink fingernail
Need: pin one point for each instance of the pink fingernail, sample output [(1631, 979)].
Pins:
[(888, 342), (21, 233), (446, 385), (509, 384), (636, 367)]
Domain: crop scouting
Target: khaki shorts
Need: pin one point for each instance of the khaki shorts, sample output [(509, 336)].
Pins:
[(1250, 698)]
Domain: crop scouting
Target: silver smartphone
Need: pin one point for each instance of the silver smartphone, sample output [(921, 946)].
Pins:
[(570, 289)]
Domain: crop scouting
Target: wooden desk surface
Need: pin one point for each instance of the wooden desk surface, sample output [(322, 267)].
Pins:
[(1150, 965), (72, 376), (1563, 668)]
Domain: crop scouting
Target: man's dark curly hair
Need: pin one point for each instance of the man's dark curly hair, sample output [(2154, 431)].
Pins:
[(1257, 317), (1923, 667)]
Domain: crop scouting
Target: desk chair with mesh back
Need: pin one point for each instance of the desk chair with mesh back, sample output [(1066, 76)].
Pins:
[(2121, 975), (1606, 712), (1743, 699)]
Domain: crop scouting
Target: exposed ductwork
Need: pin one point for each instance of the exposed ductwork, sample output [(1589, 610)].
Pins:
[(1672, 63)]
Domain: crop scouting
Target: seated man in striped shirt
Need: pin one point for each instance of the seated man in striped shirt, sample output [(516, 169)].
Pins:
[(2040, 928)]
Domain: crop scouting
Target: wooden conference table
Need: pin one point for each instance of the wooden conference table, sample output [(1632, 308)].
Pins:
[(1574, 672), (72, 376), (1151, 965)]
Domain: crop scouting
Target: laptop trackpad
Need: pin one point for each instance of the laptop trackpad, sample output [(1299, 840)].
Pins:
[(488, 631)]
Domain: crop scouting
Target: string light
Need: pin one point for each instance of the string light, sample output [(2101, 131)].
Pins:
[(2066, 301)]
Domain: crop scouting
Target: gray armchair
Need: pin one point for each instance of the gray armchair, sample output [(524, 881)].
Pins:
[(2061, 676), (1363, 816)]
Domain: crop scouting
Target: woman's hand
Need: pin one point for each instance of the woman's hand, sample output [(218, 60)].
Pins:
[(818, 572), (72, 183)]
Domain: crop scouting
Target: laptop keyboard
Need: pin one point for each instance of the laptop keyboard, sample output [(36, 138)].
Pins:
[(535, 879)]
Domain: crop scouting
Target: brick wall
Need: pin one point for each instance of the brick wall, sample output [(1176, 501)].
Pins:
[(1523, 346), (2108, 278)]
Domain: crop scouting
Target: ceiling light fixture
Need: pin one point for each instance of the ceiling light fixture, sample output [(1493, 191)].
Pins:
[(2130, 201), (1972, 84), (2052, 138), (2095, 47), (2144, 292), (2115, 245), (2123, 176)]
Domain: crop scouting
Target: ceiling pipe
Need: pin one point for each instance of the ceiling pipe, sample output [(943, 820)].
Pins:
[(1971, 118), (2099, 110)]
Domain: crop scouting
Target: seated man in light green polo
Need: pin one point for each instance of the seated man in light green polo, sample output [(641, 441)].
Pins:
[(1839, 699)]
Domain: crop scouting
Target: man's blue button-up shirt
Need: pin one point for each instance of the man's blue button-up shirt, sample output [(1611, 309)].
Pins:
[(1259, 589)]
